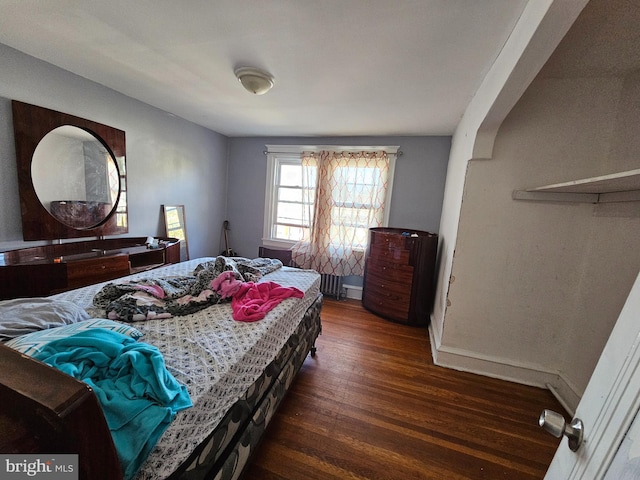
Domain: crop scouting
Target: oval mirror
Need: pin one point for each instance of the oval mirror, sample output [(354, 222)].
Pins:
[(75, 177)]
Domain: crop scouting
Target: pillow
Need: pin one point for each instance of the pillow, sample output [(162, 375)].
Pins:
[(32, 343), (25, 315)]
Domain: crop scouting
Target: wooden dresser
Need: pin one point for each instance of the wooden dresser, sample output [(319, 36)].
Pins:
[(49, 269), (399, 274)]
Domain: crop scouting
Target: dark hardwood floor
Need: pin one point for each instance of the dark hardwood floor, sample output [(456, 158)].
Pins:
[(372, 405)]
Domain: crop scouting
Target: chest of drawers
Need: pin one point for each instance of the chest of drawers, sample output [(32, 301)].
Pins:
[(399, 274)]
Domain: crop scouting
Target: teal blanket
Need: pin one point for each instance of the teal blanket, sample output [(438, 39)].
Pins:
[(138, 395)]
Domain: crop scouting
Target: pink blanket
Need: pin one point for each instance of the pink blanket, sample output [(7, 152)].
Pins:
[(253, 300)]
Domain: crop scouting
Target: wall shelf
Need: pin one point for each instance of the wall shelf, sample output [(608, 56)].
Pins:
[(615, 187)]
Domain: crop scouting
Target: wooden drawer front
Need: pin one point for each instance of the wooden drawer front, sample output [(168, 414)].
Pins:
[(390, 240), (387, 302), (31, 280), (389, 253), (390, 272), (386, 287), (149, 258), (94, 270), (388, 290)]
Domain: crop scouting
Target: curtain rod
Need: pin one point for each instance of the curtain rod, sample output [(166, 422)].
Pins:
[(266, 152)]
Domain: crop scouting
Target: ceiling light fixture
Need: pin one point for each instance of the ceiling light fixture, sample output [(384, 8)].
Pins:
[(254, 80)]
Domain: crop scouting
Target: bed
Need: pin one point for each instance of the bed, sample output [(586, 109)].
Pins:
[(235, 372)]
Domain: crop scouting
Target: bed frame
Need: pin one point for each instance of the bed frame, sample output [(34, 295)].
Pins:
[(45, 411)]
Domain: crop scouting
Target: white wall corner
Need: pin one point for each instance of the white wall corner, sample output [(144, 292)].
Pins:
[(435, 337), (566, 393)]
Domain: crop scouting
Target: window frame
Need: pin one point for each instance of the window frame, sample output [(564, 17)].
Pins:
[(293, 154)]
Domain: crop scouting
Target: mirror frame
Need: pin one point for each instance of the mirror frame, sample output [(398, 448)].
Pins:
[(31, 123)]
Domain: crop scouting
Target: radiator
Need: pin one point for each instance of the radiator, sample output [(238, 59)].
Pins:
[(283, 255), (329, 284), (332, 285)]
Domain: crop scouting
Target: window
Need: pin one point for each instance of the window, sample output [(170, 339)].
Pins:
[(353, 197), (293, 200), (289, 199)]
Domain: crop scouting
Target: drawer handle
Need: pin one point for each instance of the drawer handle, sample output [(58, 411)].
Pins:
[(103, 266)]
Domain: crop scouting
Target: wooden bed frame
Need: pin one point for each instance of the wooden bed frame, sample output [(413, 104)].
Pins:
[(45, 411)]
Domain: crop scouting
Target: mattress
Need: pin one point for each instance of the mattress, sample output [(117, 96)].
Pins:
[(222, 362)]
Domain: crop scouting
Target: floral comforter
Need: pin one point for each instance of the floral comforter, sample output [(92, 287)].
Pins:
[(155, 298)]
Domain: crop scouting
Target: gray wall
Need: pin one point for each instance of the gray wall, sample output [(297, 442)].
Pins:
[(418, 187), (169, 160)]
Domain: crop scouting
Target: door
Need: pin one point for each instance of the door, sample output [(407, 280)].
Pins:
[(610, 401)]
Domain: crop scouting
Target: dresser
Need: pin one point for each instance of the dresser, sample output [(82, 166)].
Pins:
[(399, 275), (49, 269)]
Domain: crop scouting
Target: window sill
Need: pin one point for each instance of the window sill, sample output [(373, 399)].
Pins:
[(286, 245), (282, 244)]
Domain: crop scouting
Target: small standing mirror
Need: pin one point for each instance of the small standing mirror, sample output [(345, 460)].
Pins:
[(176, 226)]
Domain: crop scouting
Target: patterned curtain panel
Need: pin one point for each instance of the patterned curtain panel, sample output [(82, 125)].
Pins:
[(350, 190)]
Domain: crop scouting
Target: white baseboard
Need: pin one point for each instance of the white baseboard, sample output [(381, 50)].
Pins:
[(353, 291), (503, 369)]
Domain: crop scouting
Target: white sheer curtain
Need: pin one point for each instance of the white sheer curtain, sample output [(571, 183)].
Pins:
[(350, 190)]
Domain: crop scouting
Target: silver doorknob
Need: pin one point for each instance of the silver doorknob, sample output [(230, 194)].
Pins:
[(555, 424)]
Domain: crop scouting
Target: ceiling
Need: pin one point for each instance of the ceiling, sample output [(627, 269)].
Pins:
[(341, 67)]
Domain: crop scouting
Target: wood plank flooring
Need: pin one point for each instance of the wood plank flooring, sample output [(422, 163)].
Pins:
[(372, 405)]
